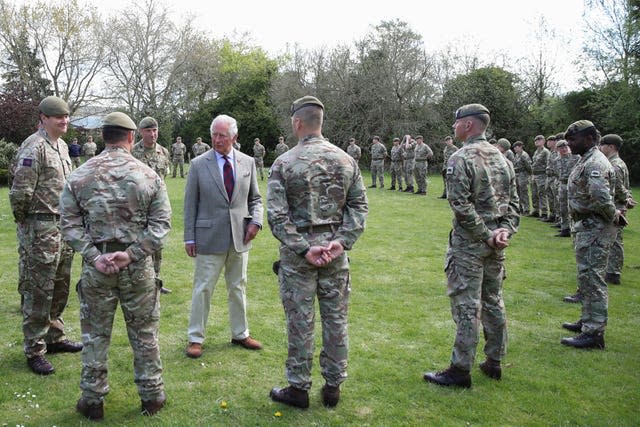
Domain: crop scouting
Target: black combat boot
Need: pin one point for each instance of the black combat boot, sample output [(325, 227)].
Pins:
[(573, 299), (330, 395), (612, 278), (291, 396), (491, 368), (585, 340), (573, 327), (564, 233), (93, 411), (451, 376)]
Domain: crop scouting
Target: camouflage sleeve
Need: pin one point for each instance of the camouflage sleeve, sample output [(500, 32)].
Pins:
[(459, 194), (27, 171), (278, 216), (527, 163), (599, 189), (355, 212), (72, 226), (621, 193), (154, 236), (511, 220), (254, 199), (429, 152)]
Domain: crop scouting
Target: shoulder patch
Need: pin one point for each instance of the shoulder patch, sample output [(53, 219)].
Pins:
[(27, 162), (449, 170), (595, 174)]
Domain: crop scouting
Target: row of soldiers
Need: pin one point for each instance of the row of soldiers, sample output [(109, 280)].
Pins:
[(409, 161)]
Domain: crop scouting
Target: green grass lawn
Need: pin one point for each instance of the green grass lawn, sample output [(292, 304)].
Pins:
[(400, 326)]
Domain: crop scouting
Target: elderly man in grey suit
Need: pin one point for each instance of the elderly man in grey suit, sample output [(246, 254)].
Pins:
[(222, 215)]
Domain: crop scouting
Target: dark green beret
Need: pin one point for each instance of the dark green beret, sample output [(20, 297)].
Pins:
[(54, 106), (493, 141), (419, 137), (611, 139), (518, 144), (562, 143), (148, 123), (119, 120), (577, 127), (538, 137), (471, 110), (504, 143), (396, 139), (560, 136), (305, 101)]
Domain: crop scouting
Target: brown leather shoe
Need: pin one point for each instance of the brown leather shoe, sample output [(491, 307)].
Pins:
[(64, 346), (40, 365), (91, 411), (194, 350), (290, 396), (330, 395), (248, 343), (152, 407)]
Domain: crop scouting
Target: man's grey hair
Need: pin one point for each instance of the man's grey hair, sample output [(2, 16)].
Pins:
[(223, 118)]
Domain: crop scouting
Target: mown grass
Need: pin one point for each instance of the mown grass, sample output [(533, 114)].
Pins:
[(400, 326)]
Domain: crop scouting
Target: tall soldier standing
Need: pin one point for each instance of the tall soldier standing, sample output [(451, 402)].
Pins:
[(378, 154), (539, 183), (449, 149), (481, 189), (258, 156), (178, 150), (42, 166), (408, 154), (317, 206), (522, 168), (115, 212), (396, 165)]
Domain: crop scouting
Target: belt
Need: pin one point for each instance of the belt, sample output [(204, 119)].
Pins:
[(540, 173), (381, 158), (44, 216), (421, 160), (106, 247), (314, 229)]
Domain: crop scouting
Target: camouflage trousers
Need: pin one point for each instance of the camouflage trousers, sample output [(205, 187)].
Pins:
[(44, 275), (539, 194), (157, 263), (260, 166), (616, 254), (474, 285), (396, 174), (178, 163), (522, 181), (75, 161), (300, 284), (592, 242), (563, 207), (420, 174), (408, 172), (377, 171), (135, 288), (552, 195)]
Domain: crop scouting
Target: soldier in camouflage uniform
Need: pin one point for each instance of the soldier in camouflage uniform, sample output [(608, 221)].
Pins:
[(199, 147), (610, 145), (408, 154), (115, 212), (378, 154), (282, 147), (481, 189), (449, 149), (154, 155), (178, 150), (421, 166), (522, 168), (258, 156), (354, 150), (41, 167), (593, 214), (396, 165), (552, 179), (539, 183), (566, 163), (89, 148), (313, 262), (504, 145)]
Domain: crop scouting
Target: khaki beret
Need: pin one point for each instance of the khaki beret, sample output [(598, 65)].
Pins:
[(376, 137), (611, 139), (518, 144), (577, 127), (562, 143), (471, 110), (538, 137), (560, 136), (119, 120), (419, 137), (54, 106), (396, 139), (148, 123), (305, 101), (551, 138), (504, 143)]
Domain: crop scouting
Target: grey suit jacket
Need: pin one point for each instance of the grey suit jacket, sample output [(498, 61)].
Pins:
[(212, 220)]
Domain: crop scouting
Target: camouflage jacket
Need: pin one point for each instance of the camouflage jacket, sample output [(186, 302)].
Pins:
[(552, 164), (200, 148), (565, 166), (89, 149), (522, 163), (178, 150), (316, 183), (509, 155), (396, 153), (446, 154), (408, 150), (114, 197), (354, 151), (621, 190), (539, 161), (378, 151), (423, 152), (41, 168), (258, 151), (590, 187), (281, 148), (481, 189), (156, 158)]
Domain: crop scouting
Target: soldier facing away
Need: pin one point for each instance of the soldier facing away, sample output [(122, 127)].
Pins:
[(115, 212)]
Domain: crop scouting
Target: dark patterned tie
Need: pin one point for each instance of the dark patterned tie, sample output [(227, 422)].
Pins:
[(227, 172)]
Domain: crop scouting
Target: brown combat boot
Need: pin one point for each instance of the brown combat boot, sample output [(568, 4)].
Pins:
[(291, 396), (330, 395), (90, 411), (152, 407)]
